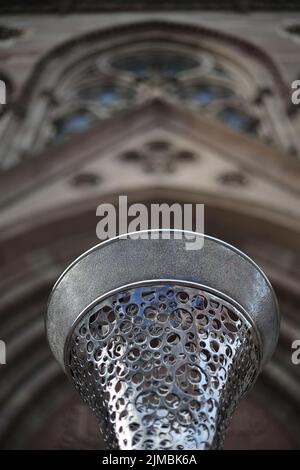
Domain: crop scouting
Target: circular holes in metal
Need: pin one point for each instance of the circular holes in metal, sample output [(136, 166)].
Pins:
[(163, 366)]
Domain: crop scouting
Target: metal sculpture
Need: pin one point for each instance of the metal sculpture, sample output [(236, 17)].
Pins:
[(160, 341)]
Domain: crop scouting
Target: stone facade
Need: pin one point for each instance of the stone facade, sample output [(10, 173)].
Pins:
[(85, 121)]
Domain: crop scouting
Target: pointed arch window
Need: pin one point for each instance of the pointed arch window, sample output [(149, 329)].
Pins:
[(201, 77), (198, 80)]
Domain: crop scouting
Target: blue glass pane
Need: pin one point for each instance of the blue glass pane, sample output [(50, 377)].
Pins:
[(155, 63), (109, 97), (75, 123), (203, 97), (205, 94), (172, 66), (238, 120), (106, 96), (135, 65)]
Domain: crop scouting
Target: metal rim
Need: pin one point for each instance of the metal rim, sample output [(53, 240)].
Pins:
[(201, 287), (119, 237), (216, 265)]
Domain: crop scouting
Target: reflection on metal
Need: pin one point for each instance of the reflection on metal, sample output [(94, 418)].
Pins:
[(163, 366), (158, 350)]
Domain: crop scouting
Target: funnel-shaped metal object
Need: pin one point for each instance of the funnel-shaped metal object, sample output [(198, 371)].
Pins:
[(163, 341)]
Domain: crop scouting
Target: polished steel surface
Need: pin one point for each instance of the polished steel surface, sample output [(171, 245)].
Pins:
[(163, 366), (121, 261), (161, 341)]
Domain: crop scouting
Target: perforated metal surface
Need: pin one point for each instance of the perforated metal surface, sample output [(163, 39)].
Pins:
[(163, 366)]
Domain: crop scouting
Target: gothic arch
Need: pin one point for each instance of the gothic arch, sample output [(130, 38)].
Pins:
[(38, 238), (53, 244), (51, 92)]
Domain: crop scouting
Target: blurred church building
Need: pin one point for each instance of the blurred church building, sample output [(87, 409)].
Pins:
[(163, 103)]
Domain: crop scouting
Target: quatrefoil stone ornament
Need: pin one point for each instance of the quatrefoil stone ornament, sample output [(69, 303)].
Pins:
[(161, 341)]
